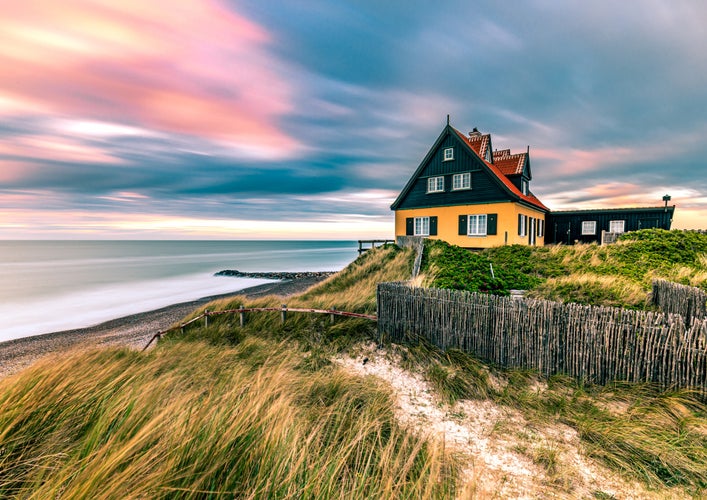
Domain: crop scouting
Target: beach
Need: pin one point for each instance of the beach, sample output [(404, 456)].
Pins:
[(132, 331)]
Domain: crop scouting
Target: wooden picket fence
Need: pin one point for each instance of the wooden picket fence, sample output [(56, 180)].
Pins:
[(688, 301), (595, 344)]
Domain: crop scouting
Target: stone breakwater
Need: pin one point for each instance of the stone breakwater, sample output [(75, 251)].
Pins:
[(275, 275)]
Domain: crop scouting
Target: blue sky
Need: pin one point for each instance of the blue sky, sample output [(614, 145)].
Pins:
[(229, 119)]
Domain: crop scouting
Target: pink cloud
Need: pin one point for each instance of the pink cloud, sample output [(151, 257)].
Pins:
[(191, 67), (56, 149)]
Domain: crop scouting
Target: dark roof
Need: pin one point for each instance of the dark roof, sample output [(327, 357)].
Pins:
[(604, 210)]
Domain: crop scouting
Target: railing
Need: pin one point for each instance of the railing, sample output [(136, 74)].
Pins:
[(362, 248), (242, 310)]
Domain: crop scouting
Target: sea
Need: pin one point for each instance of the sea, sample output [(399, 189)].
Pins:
[(49, 286)]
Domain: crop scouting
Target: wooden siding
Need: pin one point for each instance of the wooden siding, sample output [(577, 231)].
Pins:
[(566, 227), (484, 189)]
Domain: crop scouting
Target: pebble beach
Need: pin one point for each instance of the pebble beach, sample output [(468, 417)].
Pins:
[(132, 331)]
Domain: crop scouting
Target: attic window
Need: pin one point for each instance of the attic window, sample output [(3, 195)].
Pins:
[(448, 154), (524, 186), (435, 184)]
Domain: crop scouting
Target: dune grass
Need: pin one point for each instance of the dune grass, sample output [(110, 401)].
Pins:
[(616, 275), (192, 420)]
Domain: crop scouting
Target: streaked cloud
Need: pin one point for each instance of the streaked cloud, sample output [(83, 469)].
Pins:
[(217, 118)]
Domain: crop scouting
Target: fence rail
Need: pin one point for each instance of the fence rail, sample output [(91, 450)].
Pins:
[(242, 310), (689, 301), (596, 344)]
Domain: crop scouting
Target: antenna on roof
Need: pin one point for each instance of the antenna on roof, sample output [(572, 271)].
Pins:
[(447, 119), (528, 151)]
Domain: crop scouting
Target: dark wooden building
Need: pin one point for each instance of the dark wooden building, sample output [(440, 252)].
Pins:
[(586, 226)]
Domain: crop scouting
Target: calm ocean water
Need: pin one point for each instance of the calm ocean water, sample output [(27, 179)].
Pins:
[(48, 286)]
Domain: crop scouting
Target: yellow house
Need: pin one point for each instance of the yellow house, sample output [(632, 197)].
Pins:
[(465, 193)]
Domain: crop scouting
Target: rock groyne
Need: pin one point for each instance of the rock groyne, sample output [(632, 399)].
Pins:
[(281, 275)]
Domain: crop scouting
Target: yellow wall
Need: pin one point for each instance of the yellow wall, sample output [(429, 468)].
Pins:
[(448, 224)]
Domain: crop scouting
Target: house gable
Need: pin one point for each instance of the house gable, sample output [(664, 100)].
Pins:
[(488, 184)]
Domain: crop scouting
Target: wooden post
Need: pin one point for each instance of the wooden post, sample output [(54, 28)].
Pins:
[(242, 316), (206, 318), (283, 314), (332, 315)]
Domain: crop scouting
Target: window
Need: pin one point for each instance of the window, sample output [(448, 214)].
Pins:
[(616, 226), (435, 184), (461, 181), (448, 154), (477, 225), (524, 186), (541, 228), (522, 220), (589, 227), (422, 226)]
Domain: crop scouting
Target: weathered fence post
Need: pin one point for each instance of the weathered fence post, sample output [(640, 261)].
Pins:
[(283, 313), (332, 315), (206, 318), (241, 315)]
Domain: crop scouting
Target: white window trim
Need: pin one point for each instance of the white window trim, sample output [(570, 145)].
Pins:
[(613, 223), (524, 186), (437, 188), (461, 176), (449, 157), (422, 231), (524, 226), (481, 230), (589, 227)]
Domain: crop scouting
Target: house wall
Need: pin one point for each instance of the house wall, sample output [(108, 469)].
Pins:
[(566, 227), (448, 224)]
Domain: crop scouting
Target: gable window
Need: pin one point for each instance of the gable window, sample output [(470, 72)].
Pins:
[(461, 181), (477, 225), (448, 154), (422, 226), (589, 227), (616, 226), (435, 184), (524, 186)]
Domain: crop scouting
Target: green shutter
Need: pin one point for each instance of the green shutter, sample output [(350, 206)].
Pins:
[(491, 224), (462, 225), (433, 226), (409, 226)]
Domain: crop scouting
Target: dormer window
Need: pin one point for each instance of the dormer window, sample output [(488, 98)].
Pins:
[(524, 186), (435, 184), (448, 154)]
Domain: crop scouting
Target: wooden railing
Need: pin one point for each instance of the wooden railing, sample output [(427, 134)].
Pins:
[(243, 310)]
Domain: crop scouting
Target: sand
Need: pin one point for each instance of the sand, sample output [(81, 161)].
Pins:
[(133, 331)]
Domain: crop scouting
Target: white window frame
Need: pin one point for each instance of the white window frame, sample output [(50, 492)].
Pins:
[(617, 226), (422, 226), (523, 226), (524, 186), (448, 154), (461, 181), (480, 224), (589, 227), (435, 184)]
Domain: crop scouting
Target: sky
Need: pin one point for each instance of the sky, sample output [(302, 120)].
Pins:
[(226, 119)]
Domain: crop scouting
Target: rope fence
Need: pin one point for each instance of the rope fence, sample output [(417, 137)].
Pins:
[(243, 310)]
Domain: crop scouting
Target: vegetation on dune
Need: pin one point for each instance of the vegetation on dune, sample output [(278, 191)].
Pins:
[(261, 411), (614, 275), (657, 437), (197, 421)]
